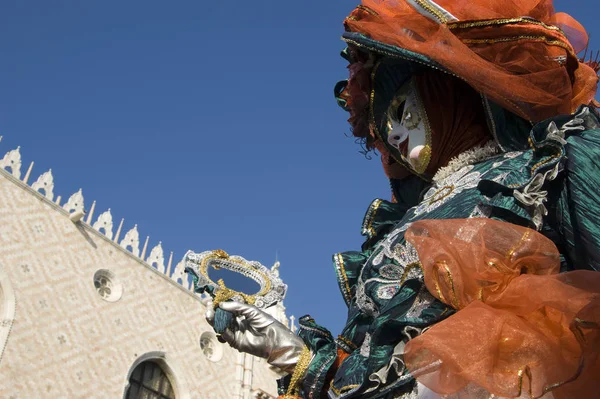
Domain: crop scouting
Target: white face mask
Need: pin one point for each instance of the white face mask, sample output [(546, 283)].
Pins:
[(408, 129)]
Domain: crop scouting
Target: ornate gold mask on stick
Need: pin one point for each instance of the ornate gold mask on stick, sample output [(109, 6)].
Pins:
[(272, 290)]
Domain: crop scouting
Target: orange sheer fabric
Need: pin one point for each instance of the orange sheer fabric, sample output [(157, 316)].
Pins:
[(527, 65), (521, 328)]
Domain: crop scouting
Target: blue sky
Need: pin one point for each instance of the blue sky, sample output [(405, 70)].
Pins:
[(208, 125)]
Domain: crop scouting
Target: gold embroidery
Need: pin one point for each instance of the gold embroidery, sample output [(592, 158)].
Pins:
[(367, 9), (372, 123), (371, 215), (440, 17), (347, 342), (542, 163), (342, 273), (438, 289), (543, 39), (494, 265), (408, 269), (520, 384), (539, 164), (436, 273), (495, 22), (299, 371), (340, 391), (518, 245), (436, 197), (526, 370)]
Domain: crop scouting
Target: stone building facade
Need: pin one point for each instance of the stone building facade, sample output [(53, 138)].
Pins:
[(85, 314)]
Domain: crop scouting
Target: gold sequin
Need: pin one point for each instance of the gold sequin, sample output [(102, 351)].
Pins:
[(340, 391), (521, 242), (347, 342), (440, 17), (339, 262), (408, 269), (299, 371), (436, 274), (497, 22), (367, 9), (371, 216), (543, 39)]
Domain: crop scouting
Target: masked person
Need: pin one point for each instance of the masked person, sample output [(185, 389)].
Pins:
[(480, 276)]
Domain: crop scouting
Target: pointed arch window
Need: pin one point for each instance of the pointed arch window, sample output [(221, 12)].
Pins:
[(149, 381)]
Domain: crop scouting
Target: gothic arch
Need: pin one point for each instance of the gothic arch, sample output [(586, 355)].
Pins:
[(166, 364)]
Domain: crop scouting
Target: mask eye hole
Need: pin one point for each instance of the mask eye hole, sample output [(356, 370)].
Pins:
[(400, 111)]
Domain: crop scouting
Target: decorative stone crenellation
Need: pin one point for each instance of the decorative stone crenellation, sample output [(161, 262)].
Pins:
[(132, 240), (75, 203), (105, 222), (157, 258), (46, 183), (11, 163)]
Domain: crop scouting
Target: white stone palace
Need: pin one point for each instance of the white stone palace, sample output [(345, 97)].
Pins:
[(84, 313)]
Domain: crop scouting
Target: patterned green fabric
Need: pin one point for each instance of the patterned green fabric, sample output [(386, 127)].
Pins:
[(552, 185)]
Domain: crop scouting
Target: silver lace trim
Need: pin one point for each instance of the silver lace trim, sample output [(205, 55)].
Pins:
[(481, 211), (448, 188), (534, 197), (365, 348), (396, 366), (532, 194), (390, 275), (423, 300), (465, 158)]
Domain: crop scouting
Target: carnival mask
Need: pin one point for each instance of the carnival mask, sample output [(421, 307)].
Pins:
[(408, 128), (201, 266)]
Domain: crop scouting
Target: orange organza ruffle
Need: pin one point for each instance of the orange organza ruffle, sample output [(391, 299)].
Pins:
[(521, 327), (527, 65)]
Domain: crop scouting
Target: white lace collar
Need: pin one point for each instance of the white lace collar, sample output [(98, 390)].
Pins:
[(468, 157)]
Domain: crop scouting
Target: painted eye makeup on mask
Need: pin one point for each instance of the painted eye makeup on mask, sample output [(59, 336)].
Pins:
[(408, 131)]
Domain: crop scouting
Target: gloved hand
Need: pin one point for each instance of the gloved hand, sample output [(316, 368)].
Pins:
[(258, 333)]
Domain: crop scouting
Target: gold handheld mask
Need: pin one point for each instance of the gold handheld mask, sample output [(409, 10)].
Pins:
[(272, 289)]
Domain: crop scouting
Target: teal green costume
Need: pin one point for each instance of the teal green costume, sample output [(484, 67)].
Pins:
[(456, 97), (545, 177)]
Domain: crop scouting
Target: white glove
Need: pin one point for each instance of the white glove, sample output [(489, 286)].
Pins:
[(258, 333)]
